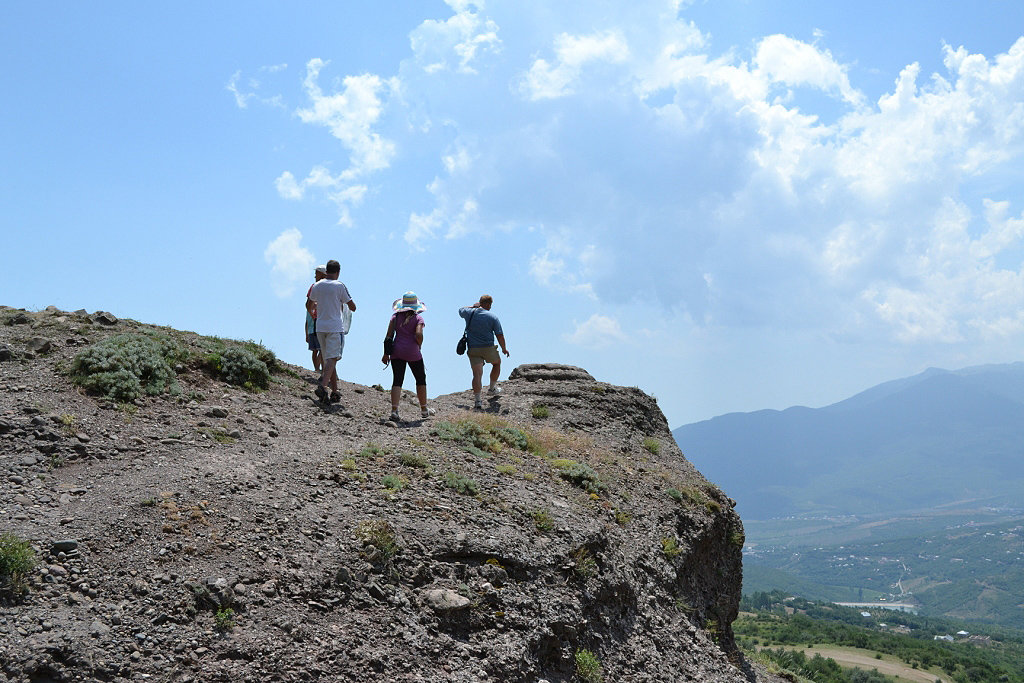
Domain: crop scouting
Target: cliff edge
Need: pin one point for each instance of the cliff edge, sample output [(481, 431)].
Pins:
[(195, 529)]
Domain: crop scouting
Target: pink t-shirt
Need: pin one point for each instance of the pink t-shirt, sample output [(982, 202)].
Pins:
[(406, 347)]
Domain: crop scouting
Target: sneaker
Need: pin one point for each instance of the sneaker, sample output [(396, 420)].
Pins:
[(321, 393), (478, 404), (335, 397), (427, 412), (494, 390), (394, 416)]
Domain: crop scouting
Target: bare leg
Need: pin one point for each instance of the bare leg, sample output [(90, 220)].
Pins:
[(495, 373), (329, 375), (478, 373), (421, 394)]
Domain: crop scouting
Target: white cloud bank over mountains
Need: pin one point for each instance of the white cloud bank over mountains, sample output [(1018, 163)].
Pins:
[(759, 190)]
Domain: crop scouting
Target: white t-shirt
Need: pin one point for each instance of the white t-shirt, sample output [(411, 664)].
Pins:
[(330, 296)]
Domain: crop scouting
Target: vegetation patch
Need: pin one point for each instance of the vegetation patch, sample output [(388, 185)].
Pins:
[(652, 446), (542, 520), (239, 366), (17, 559), (411, 460), (392, 483), (224, 619), (670, 547), (583, 563), (123, 367), (540, 411), (588, 667), (584, 477), (506, 469), (461, 483), (378, 539)]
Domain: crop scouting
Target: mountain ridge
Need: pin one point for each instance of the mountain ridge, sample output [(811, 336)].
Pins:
[(949, 434)]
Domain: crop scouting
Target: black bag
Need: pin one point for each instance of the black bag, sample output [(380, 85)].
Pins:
[(389, 346), (460, 348)]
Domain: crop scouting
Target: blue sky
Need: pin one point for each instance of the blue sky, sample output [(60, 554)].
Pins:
[(733, 205)]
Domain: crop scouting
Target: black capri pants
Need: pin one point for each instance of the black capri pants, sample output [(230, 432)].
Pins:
[(417, 367)]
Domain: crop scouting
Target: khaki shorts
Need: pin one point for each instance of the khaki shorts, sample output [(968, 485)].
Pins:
[(331, 344), (484, 354)]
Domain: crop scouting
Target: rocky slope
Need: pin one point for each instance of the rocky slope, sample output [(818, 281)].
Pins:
[(220, 534)]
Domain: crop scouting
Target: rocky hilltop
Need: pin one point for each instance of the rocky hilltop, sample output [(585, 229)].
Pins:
[(206, 531)]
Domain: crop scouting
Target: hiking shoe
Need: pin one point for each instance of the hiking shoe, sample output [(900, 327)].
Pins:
[(478, 405), (335, 397), (394, 416), (320, 392), (494, 390), (427, 412)]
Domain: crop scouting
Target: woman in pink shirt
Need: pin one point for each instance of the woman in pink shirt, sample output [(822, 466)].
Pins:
[(402, 347)]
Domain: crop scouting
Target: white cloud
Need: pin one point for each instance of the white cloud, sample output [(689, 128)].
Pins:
[(546, 80), (795, 63), (291, 264), (456, 42), (344, 194), (598, 331), (350, 116)]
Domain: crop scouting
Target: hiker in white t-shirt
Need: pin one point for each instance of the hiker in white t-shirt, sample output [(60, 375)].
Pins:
[(329, 297)]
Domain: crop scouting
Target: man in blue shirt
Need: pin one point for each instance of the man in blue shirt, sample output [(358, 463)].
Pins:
[(482, 327)]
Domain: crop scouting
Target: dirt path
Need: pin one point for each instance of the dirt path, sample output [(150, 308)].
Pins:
[(861, 658)]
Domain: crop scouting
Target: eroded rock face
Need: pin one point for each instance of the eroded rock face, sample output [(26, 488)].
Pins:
[(272, 539)]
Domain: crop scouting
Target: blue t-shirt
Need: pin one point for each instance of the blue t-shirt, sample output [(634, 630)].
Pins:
[(482, 327)]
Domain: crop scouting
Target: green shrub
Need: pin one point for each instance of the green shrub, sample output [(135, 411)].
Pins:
[(379, 534), (17, 559), (670, 547), (540, 411), (652, 445), (583, 476), (583, 563), (372, 450), (125, 366), (392, 483), (224, 619), (460, 483), (411, 460), (241, 367), (588, 667), (506, 469), (542, 520)]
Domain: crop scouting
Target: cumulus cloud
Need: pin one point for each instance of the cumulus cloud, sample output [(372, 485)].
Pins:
[(572, 53), (794, 63), (291, 264), (457, 42), (350, 115), (598, 331)]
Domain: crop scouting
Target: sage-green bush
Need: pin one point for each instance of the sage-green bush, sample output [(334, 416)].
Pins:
[(584, 477), (17, 559), (243, 368), (125, 366)]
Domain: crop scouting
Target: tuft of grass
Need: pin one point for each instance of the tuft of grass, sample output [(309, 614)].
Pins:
[(392, 483), (224, 619), (622, 518), (461, 483), (506, 469), (583, 563), (652, 445), (540, 411), (562, 463), (542, 520), (588, 667), (584, 477), (670, 547), (379, 535), (372, 450), (412, 460), (17, 559)]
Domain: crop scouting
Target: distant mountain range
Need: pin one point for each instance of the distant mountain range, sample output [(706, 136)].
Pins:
[(938, 438)]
